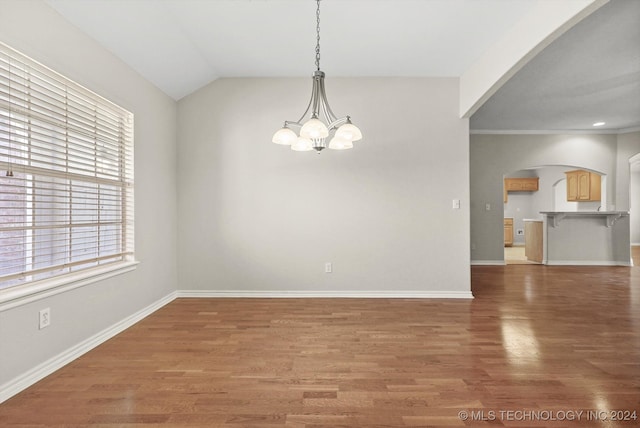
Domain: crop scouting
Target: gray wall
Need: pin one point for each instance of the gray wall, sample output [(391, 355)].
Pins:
[(494, 156), (35, 29), (255, 216)]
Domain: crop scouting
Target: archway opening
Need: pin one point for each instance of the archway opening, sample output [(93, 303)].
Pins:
[(522, 208)]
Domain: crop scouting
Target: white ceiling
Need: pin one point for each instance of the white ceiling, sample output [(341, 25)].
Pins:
[(589, 74), (181, 45)]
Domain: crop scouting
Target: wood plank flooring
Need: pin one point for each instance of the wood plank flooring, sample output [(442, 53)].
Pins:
[(537, 339)]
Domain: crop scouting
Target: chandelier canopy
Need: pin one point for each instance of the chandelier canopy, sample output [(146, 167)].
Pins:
[(322, 124)]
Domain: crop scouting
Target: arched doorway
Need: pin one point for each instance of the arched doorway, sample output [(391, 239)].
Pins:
[(521, 208)]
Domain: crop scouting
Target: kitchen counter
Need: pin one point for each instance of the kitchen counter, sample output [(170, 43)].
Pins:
[(587, 238), (611, 216)]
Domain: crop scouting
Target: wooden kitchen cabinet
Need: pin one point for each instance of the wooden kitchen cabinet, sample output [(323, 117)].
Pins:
[(508, 232), (528, 184), (583, 186), (521, 184)]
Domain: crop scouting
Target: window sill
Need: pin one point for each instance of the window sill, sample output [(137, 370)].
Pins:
[(21, 295)]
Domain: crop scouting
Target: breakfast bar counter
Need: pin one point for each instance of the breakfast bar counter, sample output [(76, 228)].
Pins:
[(586, 238)]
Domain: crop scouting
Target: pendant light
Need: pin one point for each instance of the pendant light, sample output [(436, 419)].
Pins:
[(322, 124)]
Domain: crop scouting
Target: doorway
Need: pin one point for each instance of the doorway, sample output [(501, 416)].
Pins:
[(522, 208), (520, 191)]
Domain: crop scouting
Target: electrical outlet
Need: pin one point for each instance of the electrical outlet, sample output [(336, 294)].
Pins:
[(456, 204), (328, 267), (487, 207), (45, 318), (520, 232)]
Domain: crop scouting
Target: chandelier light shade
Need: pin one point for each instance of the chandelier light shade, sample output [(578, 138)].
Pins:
[(318, 124)]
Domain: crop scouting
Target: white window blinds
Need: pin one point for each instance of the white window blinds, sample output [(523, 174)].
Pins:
[(66, 175)]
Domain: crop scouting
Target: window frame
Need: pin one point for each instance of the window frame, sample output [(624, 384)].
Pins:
[(21, 105)]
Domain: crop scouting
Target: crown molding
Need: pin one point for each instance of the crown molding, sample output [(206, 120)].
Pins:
[(553, 131), (629, 130)]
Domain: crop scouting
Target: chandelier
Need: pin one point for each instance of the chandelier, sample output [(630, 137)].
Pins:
[(322, 123)]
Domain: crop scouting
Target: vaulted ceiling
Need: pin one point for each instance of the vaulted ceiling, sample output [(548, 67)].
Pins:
[(182, 45), (590, 74)]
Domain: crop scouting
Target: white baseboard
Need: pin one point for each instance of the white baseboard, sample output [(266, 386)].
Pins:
[(587, 263), (488, 263), (327, 294), (22, 382)]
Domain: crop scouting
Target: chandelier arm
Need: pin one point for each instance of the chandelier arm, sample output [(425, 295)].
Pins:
[(325, 112), (291, 122), (317, 82), (331, 116), (336, 123)]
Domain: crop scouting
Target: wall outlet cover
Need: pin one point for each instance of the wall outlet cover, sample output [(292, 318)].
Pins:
[(44, 318)]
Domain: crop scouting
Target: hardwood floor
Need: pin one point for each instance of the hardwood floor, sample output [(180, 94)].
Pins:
[(544, 340)]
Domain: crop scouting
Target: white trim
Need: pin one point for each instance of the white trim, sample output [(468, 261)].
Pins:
[(554, 131), (488, 263), (545, 131), (635, 244), (326, 294), (21, 295), (25, 380), (587, 263), (629, 130)]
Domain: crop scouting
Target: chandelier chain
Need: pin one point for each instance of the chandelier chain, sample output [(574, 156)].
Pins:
[(318, 35)]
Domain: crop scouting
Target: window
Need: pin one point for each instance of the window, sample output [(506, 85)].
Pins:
[(66, 175)]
